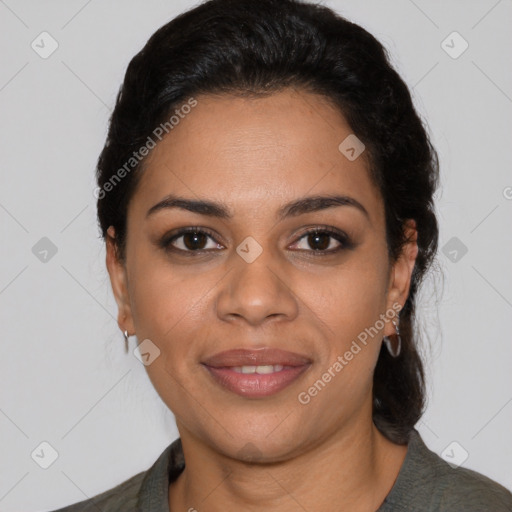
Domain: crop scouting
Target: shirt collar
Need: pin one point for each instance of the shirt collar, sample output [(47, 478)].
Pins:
[(154, 490)]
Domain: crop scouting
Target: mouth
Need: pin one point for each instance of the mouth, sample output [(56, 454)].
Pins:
[(256, 373)]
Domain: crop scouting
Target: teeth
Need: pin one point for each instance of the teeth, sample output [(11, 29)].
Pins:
[(268, 369), (261, 370)]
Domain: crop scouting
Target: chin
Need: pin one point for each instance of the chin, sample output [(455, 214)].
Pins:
[(256, 438)]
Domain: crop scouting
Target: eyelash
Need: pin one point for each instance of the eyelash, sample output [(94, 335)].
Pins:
[(340, 236)]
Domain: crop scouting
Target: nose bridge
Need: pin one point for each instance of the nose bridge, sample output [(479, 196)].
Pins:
[(254, 289)]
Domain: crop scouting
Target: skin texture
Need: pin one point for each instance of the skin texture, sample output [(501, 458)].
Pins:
[(255, 155)]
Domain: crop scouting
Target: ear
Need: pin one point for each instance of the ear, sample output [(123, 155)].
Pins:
[(119, 282), (401, 273)]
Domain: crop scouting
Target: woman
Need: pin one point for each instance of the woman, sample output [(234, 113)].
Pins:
[(266, 198)]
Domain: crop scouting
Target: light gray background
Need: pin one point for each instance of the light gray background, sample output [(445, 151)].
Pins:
[(64, 376)]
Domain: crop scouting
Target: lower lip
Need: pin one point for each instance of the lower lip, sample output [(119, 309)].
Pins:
[(254, 385)]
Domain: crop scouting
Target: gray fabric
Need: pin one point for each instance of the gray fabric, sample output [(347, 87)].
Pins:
[(425, 483)]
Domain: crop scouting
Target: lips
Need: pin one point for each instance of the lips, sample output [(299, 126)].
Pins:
[(256, 373), (259, 357)]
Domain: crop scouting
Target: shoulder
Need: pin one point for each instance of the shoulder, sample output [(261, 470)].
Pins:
[(427, 483), (146, 490), (465, 489), (121, 497)]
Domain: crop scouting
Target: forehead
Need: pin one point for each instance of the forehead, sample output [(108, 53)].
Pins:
[(254, 151)]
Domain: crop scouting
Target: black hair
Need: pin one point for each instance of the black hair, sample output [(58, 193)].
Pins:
[(254, 48)]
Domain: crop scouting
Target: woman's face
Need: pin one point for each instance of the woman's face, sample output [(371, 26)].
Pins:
[(253, 278)]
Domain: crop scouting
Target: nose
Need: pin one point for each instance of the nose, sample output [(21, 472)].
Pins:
[(257, 292)]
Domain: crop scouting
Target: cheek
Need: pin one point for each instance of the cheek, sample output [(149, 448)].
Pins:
[(347, 298), (168, 307), (347, 302), (161, 293)]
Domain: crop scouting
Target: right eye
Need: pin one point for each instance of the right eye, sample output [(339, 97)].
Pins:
[(190, 240)]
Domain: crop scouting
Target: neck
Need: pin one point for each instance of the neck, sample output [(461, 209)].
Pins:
[(353, 469)]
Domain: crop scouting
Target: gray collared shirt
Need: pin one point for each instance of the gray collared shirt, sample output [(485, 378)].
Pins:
[(425, 483)]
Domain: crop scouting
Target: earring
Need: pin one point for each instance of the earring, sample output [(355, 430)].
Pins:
[(387, 341), (125, 334)]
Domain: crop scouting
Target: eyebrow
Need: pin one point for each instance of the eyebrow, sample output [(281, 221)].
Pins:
[(292, 209)]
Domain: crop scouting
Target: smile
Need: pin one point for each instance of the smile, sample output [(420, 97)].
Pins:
[(256, 373), (261, 370)]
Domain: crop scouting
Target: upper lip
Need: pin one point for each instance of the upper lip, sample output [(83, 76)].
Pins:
[(257, 357)]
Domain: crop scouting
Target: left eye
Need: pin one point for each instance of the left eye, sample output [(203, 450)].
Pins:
[(323, 241)]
